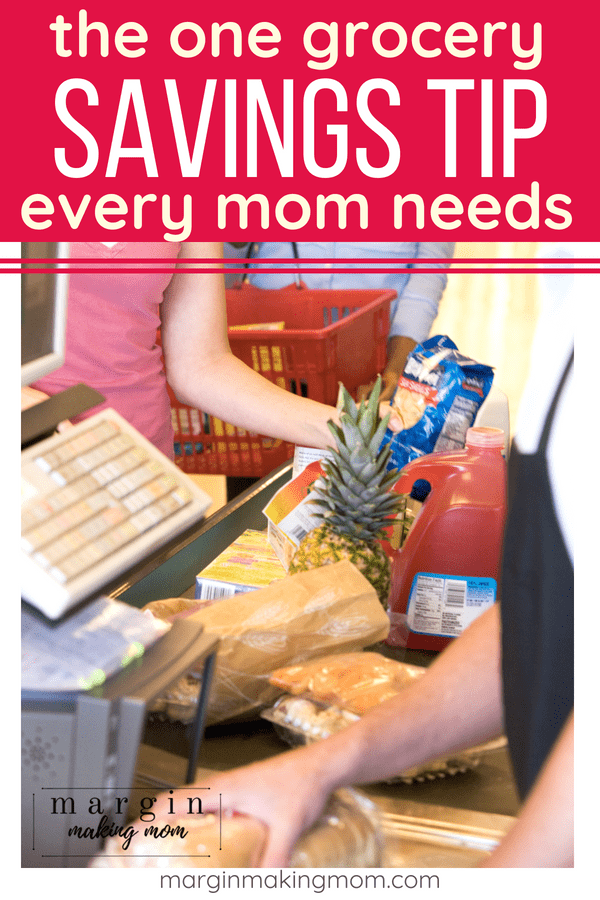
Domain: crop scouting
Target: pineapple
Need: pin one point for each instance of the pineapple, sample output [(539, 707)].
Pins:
[(354, 497)]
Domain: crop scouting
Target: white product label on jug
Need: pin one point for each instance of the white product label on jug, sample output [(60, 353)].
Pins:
[(445, 605)]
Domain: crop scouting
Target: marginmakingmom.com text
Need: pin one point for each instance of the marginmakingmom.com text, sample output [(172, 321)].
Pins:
[(315, 882)]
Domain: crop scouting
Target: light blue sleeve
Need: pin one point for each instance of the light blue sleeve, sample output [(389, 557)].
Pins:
[(414, 312), (274, 280), (237, 255)]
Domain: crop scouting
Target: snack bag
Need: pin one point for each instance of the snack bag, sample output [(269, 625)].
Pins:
[(437, 397)]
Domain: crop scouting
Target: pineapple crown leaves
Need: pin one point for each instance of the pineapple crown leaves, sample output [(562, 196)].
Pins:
[(360, 420), (365, 482), (340, 501), (354, 494)]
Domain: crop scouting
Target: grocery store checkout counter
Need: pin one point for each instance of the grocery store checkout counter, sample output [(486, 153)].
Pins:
[(449, 821), (96, 736)]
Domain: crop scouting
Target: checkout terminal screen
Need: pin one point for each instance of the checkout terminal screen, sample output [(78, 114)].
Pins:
[(38, 307)]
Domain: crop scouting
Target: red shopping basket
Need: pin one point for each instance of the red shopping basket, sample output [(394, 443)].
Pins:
[(328, 336)]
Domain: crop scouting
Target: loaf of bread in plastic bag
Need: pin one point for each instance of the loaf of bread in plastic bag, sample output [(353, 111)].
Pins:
[(235, 842), (346, 835), (312, 614)]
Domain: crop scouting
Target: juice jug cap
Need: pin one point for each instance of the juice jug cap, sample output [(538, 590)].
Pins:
[(420, 490), (485, 437)]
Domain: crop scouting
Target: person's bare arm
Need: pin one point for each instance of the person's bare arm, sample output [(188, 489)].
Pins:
[(204, 373), (457, 703), (543, 834), (398, 349)]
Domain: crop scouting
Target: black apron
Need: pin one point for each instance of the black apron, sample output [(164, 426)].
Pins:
[(537, 612)]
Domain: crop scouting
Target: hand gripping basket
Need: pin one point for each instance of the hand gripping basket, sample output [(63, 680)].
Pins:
[(328, 336)]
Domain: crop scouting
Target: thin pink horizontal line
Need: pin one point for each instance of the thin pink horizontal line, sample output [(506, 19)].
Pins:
[(555, 269), (290, 261)]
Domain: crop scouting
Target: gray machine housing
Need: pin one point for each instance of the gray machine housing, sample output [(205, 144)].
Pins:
[(79, 750)]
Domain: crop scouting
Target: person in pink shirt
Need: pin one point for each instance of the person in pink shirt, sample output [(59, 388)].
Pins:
[(111, 346)]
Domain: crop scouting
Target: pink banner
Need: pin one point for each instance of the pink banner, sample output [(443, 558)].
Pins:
[(463, 121)]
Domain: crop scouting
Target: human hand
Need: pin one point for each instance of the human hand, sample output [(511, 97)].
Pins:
[(284, 792), (31, 397), (395, 423), (389, 381), (398, 350)]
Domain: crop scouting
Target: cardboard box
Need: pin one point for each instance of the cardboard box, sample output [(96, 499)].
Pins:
[(246, 565), (291, 515)]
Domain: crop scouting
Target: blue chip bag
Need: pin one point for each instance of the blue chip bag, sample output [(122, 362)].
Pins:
[(437, 397)]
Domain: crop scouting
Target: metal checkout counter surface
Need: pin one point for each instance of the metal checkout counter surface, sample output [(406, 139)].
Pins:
[(443, 822)]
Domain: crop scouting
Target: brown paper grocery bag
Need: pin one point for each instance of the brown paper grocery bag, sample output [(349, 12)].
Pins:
[(332, 609)]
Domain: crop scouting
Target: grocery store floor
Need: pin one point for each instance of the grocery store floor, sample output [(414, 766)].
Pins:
[(490, 316)]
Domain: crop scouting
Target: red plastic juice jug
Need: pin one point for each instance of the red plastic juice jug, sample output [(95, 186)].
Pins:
[(445, 573)]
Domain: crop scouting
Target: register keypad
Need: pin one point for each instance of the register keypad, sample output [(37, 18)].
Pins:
[(109, 491)]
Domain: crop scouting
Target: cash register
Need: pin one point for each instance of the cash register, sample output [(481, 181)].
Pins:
[(96, 499)]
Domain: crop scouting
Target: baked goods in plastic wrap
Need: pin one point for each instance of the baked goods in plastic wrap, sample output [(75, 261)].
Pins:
[(325, 611), (346, 835), (328, 694), (299, 721), (354, 681)]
